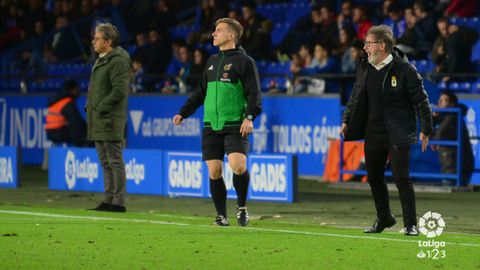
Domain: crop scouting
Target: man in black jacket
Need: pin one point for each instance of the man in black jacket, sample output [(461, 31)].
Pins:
[(387, 96)]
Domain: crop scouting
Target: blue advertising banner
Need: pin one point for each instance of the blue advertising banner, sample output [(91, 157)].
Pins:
[(79, 169), (272, 177), (144, 170), (22, 121), (8, 167), (150, 124), (185, 175), (300, 126), (75, 169)]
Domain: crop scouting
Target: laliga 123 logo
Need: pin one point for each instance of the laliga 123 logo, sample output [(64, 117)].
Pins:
[(70, 170), (431, 224)]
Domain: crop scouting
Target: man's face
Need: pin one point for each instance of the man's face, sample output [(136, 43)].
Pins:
[(184, 54), (222, 35), (374, 49), (100, 45), (443, 28), (444, 101)]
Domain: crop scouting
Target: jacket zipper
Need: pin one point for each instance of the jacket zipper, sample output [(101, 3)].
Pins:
[(216, 86), (383, 89)]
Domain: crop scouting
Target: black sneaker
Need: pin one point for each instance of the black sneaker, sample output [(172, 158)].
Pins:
[(221, 221), (242, 216)]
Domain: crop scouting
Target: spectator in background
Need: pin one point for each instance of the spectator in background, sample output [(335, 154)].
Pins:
[(351, 57), (140, 81), (344, 19), (49, 57), (395, 20), (446, 128), (141, 47), (425, 28), (252, 22), (346, 35), (327, 32), (260, 47), (163, 17), (438, 52), (406, 43), (462, 8), (361, 21), (157, 53), (32, 68), (322, 62), (304, 59), (64, 43), (198, 65), (178, 70), (64, 123), (458, 50)]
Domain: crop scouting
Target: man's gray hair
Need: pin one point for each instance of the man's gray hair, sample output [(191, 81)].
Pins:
[(110, 32), (384, 34)]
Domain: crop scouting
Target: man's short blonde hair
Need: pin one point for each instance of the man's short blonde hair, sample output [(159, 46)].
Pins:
[(234, 25)]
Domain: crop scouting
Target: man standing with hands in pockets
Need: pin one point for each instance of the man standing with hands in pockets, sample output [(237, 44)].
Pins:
[(387, 98)]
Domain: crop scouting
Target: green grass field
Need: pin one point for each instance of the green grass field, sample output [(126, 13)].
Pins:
[(43, 229)]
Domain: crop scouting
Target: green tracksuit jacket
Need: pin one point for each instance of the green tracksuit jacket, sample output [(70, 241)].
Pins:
[(229, 90)]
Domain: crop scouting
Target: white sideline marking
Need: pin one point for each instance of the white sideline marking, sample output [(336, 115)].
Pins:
[(26, 213)]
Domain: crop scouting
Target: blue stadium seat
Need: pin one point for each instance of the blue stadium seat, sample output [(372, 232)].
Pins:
[(182, 31), (262, 67), (460, 86), (442, 86), (280, 30), (476, 87)]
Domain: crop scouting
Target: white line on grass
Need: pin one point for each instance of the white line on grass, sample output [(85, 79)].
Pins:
[(205, 226)]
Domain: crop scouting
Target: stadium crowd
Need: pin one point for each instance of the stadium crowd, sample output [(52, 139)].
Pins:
[(169, 41)]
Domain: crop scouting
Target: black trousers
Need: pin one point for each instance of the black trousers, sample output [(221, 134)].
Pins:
[(377, 150)]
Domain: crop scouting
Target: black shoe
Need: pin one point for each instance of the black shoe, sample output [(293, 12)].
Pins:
[(101, 207), (117, 208), (221, 221), (242, 216), (106, 207), (381, 224), (411, 230)]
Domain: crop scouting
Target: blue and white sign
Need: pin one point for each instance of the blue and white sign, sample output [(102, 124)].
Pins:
[(272, 178), (22, 121), (185, 175), (75, 169), (79, 169), (150, 123), (8, 168), (144, 170)]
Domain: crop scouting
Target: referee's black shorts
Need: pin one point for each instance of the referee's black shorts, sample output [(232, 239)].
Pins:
[(216, 143)]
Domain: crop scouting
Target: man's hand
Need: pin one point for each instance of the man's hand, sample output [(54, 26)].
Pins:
[(343, 129), (246, 128), (424, 140), (177, 119)]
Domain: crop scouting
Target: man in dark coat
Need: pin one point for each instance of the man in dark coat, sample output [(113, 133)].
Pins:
[(387, 96), (107, 113)]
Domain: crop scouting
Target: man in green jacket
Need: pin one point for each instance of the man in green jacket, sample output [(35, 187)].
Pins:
[(106, 113), (230, 93)]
